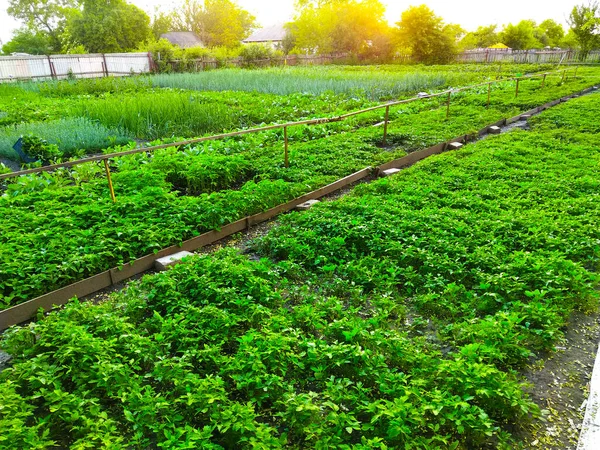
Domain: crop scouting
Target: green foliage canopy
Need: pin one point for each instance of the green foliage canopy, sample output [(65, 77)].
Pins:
[(43, 16), (216, 22), (110, 26), (351, 26), (426, 36), (585, 25), (27, 41)]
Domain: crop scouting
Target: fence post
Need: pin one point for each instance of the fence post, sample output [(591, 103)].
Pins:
[(385, 124), (285, 140), (448, 104), (52, 71), (105, 66), (489, 92), (110, 185), (517, 89), (150, 63)]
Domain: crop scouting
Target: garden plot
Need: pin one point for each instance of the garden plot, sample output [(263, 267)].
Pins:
[(396, 316), (64, 227)]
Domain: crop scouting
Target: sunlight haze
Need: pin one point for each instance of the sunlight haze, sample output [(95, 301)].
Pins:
[(468, 13)]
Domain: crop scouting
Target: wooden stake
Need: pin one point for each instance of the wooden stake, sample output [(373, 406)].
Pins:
[(576, 67), (448, 105), (110, 185), (385, 124), (563, 77), (285, 140), (517, 89), (544, 80), (489, 92)]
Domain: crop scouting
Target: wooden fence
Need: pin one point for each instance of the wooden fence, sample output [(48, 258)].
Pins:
[(207, 63), (529, 56), (15, 68)]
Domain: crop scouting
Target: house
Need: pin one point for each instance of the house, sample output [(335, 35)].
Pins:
[(270, 36), (183, 39)]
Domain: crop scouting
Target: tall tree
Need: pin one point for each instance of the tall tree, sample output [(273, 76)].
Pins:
[(550, 33), (426, 36), (25, 40), (162, 23), (48, 17), (483, 37), (585, 25), (107, 26), (216, 22), (353, 26), (520, 36)]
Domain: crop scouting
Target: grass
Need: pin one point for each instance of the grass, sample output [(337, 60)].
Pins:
[(71, 135)]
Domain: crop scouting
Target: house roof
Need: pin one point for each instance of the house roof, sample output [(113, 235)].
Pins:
[(269, 34), (183, 39)]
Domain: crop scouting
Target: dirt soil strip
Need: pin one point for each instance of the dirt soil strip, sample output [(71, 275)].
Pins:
[(589, 439), (559, 384)]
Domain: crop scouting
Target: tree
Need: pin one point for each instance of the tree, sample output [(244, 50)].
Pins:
[(44, 16), (109, 26), (426, 36), (483, 37), (216, 22), (549, 33), (585, 25), (25, 40), (520, 36), (162, 23), (345, 26)]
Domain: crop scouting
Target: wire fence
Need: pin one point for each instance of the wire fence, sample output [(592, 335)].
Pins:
[(16, 68)]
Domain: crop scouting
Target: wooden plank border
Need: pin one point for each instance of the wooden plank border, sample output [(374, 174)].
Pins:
[(27, 310)]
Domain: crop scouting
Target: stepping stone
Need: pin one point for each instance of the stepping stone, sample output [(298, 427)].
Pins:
[(423, 95), (306, 205), (494, 129), (454, 145), (170, 260), (387, 173), (378, 124)]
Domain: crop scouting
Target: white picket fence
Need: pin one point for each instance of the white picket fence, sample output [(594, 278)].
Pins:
[(79, 66)]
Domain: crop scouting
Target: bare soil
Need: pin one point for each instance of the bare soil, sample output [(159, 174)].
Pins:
[(560, 386)]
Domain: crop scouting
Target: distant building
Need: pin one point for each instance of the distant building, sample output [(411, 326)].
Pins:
[(183, 39), (270, 36), (499, 46)]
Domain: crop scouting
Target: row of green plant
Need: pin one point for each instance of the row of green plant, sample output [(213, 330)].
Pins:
[(394, 317), (112, 110), (373, 82), (72, 136), (52, 218)]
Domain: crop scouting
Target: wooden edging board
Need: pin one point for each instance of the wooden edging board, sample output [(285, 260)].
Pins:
[(25, 311)]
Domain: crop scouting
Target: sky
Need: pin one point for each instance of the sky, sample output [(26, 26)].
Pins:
[(468, 13)]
